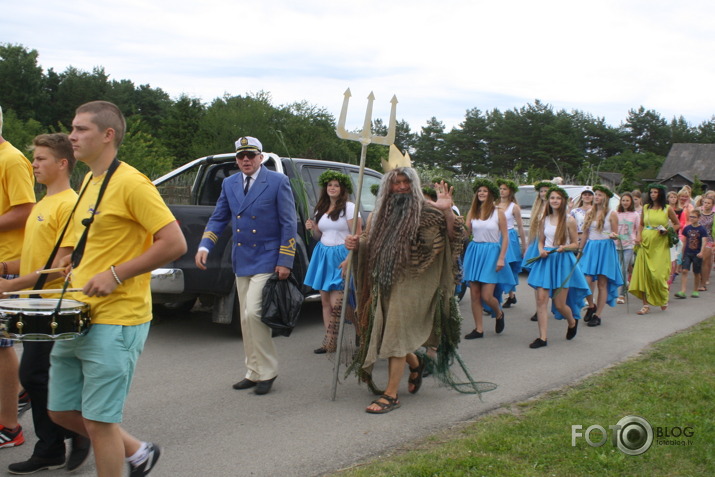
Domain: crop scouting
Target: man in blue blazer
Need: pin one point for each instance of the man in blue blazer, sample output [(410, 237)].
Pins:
[(260, 207)]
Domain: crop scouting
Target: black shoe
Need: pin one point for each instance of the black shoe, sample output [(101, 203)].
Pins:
[(571, 332), (509, 301), (23, 404), (79, 451), (263, 387), (590, 311), (534, 318), (538, 343), (36, 464), (595, 321), (499, 327), (147, 465), (474, 334), (320, 350), (245, 383)]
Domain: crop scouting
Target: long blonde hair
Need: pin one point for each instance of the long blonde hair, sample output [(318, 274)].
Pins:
[(598, 212), (537, 212), (561, 234)]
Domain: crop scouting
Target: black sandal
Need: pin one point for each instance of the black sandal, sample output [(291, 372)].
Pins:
[(385, 407), (419, 369)]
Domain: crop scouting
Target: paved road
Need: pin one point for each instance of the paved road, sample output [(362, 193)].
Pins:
[(182, 396)]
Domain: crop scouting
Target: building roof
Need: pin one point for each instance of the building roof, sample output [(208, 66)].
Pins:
[(689, 160)]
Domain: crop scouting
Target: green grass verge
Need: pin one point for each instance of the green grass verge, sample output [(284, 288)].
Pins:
[(671, 384)]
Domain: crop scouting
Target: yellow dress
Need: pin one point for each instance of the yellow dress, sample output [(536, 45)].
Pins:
[(650, 272)]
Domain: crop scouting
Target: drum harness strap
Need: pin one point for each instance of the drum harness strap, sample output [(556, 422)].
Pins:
[(79, 248)]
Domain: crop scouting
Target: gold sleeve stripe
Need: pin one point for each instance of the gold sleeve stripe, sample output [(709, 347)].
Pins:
[(211, 236)]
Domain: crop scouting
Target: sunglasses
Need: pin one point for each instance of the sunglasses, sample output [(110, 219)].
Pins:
[(250, 155)]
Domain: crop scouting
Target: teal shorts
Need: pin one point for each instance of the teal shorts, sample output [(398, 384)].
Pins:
[(92, 374)]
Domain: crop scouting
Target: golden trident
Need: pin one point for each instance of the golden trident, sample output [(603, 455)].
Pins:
[(365, 138)]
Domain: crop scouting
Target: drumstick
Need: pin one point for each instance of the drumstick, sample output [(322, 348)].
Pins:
[(49, 270), (48, 290)]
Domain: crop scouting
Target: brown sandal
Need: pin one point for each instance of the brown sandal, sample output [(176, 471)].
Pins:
[(419, 369), (385, 407), (644, 310)]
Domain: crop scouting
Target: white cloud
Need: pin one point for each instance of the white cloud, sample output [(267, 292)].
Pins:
[(439, 58)]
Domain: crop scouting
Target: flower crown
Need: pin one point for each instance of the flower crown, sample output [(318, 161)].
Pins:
[(655, 185), (510, 184), (493, 190), (331, 175), (541, 184), (558, 190), (603, 189)]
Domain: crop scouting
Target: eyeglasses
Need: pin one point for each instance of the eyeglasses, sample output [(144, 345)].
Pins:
[(250, 155), (693, 216)]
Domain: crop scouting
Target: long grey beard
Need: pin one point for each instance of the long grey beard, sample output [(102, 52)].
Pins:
[(391, 238)]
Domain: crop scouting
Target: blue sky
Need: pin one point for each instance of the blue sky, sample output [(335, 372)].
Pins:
[(439, 58)]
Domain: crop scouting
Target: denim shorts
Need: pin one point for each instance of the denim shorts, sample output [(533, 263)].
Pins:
[(697, 262), (92, 374)]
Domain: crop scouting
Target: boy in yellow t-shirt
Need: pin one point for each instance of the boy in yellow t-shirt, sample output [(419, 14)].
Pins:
[(131, 233)]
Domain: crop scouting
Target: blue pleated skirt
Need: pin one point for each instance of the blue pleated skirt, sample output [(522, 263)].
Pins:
[(600, 257), (513, 259), (480, 263), (531, 251), (324, 270), (551, 273)]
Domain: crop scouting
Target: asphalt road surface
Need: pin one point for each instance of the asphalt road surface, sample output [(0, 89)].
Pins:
[(182, 396)]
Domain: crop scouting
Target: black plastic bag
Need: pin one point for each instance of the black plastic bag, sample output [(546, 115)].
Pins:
[(281, 304)]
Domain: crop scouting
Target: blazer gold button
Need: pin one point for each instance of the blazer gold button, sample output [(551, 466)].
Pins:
[(253, 231), (238, 230), (238, 216), (238, 244), (253, 217)]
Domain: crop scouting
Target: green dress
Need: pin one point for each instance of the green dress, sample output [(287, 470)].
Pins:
[(650, 272)]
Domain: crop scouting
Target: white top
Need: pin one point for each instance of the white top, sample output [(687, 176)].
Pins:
[(594, 234), (486, 230), (509, 214), (334, 231), (580, 215), (550, 233)]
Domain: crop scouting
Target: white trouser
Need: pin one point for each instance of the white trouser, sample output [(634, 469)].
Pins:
[(261, 357)]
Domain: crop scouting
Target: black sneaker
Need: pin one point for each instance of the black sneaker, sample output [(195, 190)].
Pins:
[(35, 464), (509, 301), (595, 321), (499, 326), (571, 332), (538, 343), (147, 465), (79, 451), (474, 334), (23, 403), (590, 311), (534, 317)]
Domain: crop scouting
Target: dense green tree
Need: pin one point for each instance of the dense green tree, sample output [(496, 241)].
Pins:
[(430, 146), (468, 147), (706, 131), (77, 87), (22, 81), (646, 131), (20, 133), (179, 127), (144, 151), (682, 132)]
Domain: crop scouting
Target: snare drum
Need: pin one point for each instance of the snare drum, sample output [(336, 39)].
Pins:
[(35, 319)]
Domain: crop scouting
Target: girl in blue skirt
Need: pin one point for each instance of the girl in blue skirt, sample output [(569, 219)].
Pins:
[(517, 239), (333, 221), (484, 260), (600, 259), (537, 214), (556, 274)]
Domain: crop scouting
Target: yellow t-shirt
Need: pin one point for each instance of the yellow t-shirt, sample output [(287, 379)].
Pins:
[(16, 188), (42, 229), (130, 213)]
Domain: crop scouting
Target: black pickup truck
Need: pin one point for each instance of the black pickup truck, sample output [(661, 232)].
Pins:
[(191, 191)]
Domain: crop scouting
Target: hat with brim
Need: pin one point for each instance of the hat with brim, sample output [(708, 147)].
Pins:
[(248, 144)]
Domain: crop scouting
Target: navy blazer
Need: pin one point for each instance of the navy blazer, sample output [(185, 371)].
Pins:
[(264, 222)]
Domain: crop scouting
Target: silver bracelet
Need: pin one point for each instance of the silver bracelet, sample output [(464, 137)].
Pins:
[(119, 282)]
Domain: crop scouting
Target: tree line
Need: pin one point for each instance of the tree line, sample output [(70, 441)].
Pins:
[(526, 144)]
